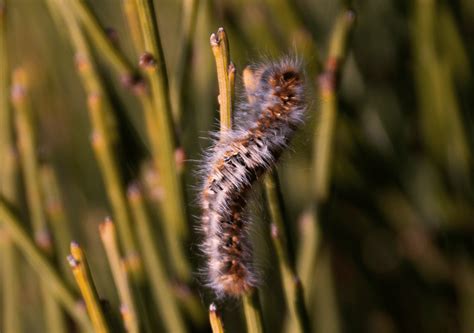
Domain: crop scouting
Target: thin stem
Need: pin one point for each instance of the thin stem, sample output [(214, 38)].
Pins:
[(291, 283), (8, 189), (29, 163), (253, 315), (103, 148), (161, 286), (328, 81), (56, 214), (225, 77), (80, 269), (42, 265), (215, 319), (119, 274), (131, 15), (188, 19), (10, 285), (104, 126), (54, 318), (99, 37), (174, 210)]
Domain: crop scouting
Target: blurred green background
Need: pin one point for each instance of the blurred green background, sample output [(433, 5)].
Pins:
[(396, 236)]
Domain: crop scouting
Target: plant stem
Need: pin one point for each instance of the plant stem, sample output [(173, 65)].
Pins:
[(103, 148), (291, 283), (131, 15), (8, 189), (56, 214), (225, 77), (189, 9), (215, 319), (162, 289), (29, 163), (99, 37), (174, 210), (328, 81), (120, 275), (42, 266), (253, 315), (80, 269)]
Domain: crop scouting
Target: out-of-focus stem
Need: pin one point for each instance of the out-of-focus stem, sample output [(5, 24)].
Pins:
[(215, 319), (291, 283), (119, 273), (225, 77), (80, 269), (308, 249), (161, 286), (54, 318), (174, 209), (42, 265), (98, 35), (328, 81), (104, 129), (188, 19), (56, 214), (10, 285), (8, 189), (27, 149), (131, 15), (30, 166), (253, 313), (103, 148)]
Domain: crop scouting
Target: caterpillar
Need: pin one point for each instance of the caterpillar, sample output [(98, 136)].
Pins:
[(274, 108)]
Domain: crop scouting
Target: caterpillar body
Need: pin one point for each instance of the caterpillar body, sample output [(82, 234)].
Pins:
[(275, 108)]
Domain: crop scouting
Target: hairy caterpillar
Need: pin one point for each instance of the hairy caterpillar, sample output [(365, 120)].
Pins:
[(275, 108)]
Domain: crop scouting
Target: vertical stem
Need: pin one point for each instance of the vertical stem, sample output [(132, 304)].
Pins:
[(8, 188), (153, 64), (56, 214), (253, 315), (189, 14), (27, 148), (291, 283), (131, 15), (328, 82), (102, 142), (161, 286), (10, 286), (215, 319), (120, 276), (80, 269), (225, 77)]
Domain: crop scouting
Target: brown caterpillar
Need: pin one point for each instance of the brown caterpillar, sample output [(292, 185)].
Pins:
[(265, 124)]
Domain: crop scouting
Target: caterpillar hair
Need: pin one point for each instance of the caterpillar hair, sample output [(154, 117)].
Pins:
[(274, 108)]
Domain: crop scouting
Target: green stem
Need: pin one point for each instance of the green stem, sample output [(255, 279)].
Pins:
[(161, 286), (42, 266), (174, 210), (9, 189), (99, 37), (181, 69), (291, 284), (328, 81), (30, 167), (80, 268), (253, 314)]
